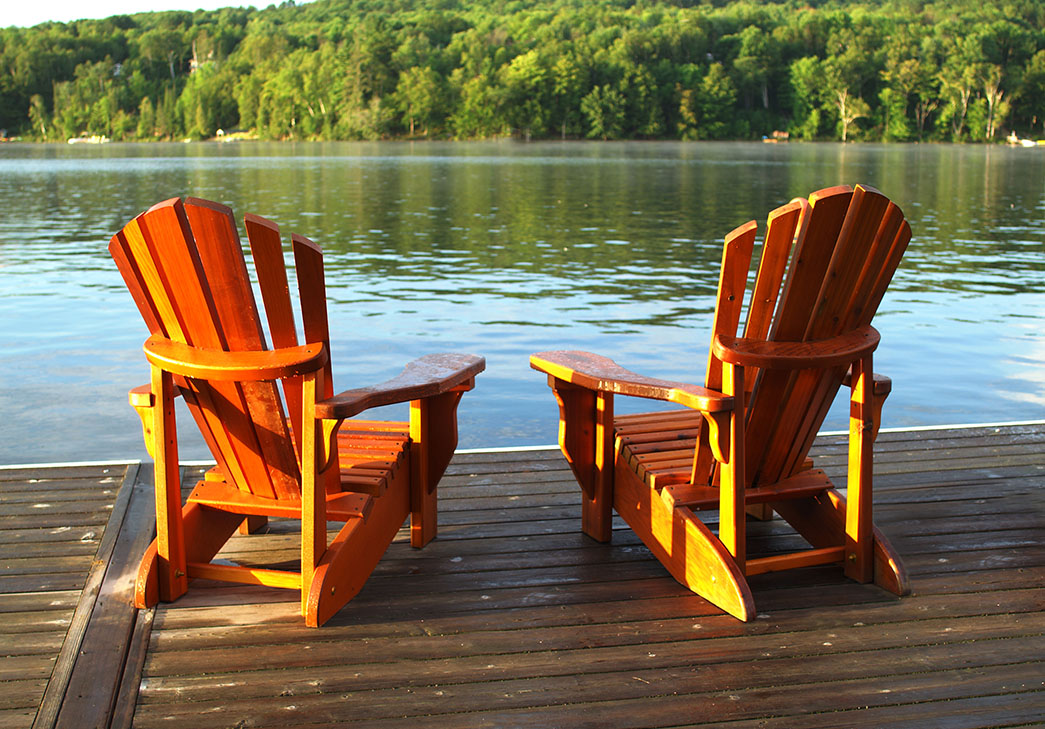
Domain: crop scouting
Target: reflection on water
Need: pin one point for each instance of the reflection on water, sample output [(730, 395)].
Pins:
[(503, 249)]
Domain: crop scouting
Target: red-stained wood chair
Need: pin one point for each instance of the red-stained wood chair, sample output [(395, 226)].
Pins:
[(742, 444), (186, 271)]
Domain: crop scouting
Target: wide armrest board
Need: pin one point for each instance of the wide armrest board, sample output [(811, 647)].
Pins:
[(602, 374), (427, 376)]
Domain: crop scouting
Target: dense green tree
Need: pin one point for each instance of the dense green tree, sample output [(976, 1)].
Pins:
[(806, 77), (420, 98), (528, 86), (38, 116), (146, 119), (757, 55), (604, 109), (1032, 92), (569, 78), (369, 69), (707, 111)]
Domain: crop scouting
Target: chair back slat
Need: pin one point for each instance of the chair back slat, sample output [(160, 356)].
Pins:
[(172, 246), (881, 222), (783, 226), (308, 261), (267, 250), (897, 247), (201, 296), (732, 283), (213, 231), (140, 241), (225, 269), (736, 261), (154, 306), (809, 263), (810, 257), (863, 293), (852, 260), (812, 391), (840, 251), (890, 245)]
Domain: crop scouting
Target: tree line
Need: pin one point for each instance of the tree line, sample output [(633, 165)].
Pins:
[(878, 70)]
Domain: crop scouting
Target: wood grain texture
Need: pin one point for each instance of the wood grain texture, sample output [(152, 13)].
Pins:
[(186, 270), (602, 374), (805, 333), (427, 376), (218, 245), (237, 366), (52, 572), (514, 618)]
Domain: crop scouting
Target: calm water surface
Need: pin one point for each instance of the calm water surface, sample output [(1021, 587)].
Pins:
[(504, 249)]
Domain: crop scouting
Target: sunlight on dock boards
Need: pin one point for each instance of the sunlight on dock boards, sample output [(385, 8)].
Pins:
[(513, 618)]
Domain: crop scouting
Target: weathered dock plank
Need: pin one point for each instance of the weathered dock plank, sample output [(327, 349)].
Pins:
[(55, 532), (512, 618)]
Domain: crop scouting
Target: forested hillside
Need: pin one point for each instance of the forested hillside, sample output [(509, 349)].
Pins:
[(961, 70)]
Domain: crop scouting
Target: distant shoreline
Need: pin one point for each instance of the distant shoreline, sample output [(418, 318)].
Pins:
[(92, 142)]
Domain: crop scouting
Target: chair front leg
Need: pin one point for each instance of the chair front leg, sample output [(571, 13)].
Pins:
[(313, 491), (859, 529), (732, 526), (433, 436), (586, 440), (170, 533)]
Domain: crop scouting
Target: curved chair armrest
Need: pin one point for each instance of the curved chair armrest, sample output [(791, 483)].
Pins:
[(602, 374), (241, 366), (840, 350), (433, 374)]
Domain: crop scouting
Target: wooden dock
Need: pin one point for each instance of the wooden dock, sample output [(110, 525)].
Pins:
[(512, 618)]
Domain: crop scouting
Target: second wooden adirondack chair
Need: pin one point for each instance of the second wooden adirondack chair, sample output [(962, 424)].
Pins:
[(742, 445), (186, 271)]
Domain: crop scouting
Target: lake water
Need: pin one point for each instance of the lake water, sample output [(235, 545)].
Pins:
[(503, 249)]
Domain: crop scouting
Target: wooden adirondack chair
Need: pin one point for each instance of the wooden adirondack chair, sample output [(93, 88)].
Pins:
[(185, 268), (742, 445)]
